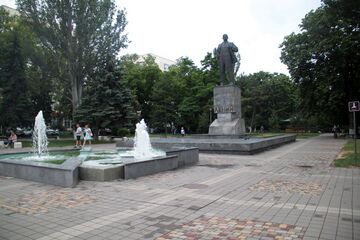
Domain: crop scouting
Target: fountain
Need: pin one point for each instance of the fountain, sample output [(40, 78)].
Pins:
[(40, 141), (141, 151), (122, 163), (135, 162), (142, 145)]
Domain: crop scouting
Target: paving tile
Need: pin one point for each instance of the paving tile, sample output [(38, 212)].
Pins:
[(289, 192)]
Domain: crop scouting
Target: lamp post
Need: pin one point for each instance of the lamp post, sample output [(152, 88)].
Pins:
[(354, 107)]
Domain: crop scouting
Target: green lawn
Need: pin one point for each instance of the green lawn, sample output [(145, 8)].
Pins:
[(347, 157), (349, 146), (349, 161)]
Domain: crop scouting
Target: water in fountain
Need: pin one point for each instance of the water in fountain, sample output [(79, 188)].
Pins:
[(142, 145), (142, 151), (40, 141)]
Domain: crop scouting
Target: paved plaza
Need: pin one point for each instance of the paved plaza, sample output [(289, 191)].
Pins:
[(290, 192)]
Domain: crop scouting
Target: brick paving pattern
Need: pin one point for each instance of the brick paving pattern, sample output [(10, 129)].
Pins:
[(291, 192), (216, 228), (44, 201), (287, 187)]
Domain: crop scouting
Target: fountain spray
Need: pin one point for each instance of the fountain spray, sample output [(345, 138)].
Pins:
[(40, 141)]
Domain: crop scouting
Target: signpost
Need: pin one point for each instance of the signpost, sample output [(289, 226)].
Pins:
[(354, 107)]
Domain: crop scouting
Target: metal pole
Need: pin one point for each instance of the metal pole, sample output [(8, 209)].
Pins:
[(355, 133)]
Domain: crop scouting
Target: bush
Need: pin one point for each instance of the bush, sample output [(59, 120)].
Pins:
[(123, 132)]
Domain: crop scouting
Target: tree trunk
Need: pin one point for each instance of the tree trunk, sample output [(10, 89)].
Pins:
[(76, 91), (253, 116), (96, 130), (75, 97)]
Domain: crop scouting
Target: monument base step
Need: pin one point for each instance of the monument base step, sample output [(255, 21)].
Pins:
[(234, 127)]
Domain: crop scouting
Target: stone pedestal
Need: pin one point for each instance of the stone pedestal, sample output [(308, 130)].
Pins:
[(227, 106)]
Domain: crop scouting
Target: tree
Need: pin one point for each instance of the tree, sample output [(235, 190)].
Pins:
[(198, 96), (211, 75), (15, 100), (141, 77), (23, 89), (324, 60), (164, 101), (267, 99), (79, 35), (182, 97), (189, 79), (107, 100)]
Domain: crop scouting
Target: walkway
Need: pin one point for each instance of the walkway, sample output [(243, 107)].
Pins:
[(290, 192)]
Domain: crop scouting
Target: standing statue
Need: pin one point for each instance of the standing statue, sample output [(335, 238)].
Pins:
[(227, 58)]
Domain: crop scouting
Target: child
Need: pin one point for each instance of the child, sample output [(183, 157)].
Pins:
[(88, 134)]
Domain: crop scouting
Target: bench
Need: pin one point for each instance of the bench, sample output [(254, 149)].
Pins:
[(17, 144)]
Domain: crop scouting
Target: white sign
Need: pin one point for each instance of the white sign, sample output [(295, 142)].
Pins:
[(354, 106)]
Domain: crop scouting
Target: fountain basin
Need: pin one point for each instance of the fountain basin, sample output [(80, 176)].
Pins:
[(72, 170), (141, 160), (101, 173), (225, 144), (64, 175), (175, 158)]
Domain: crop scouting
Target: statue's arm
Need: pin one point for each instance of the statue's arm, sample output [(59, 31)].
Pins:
[(216, 54), (234, 48), (217, 51)]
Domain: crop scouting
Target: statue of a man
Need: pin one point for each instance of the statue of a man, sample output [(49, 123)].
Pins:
[(226, 54)]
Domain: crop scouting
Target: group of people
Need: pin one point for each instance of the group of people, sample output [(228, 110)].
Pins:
[(79, 132), (174, 130), (250, 129)]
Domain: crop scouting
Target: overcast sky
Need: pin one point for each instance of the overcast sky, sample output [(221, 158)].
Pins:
[(176, 28)]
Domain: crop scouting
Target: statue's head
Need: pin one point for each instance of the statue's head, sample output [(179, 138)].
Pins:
[(225, 37)]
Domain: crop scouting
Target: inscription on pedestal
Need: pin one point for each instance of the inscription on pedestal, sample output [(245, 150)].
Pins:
[(224, 109), (227, 106)]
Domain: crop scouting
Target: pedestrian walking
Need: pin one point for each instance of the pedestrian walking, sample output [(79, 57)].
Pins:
[(182, 131), (335, 131), (78, 134), (88, 135)]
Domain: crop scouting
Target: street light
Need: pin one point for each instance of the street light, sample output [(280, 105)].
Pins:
[(354, 106)]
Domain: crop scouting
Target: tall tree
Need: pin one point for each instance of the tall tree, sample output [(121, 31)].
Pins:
[(164, 103), (107, 100), (15, 101), (79, 34), (324, 60), (141, 75), (23, 88)]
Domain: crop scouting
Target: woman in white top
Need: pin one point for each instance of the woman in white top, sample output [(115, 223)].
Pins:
[(88, 134)]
